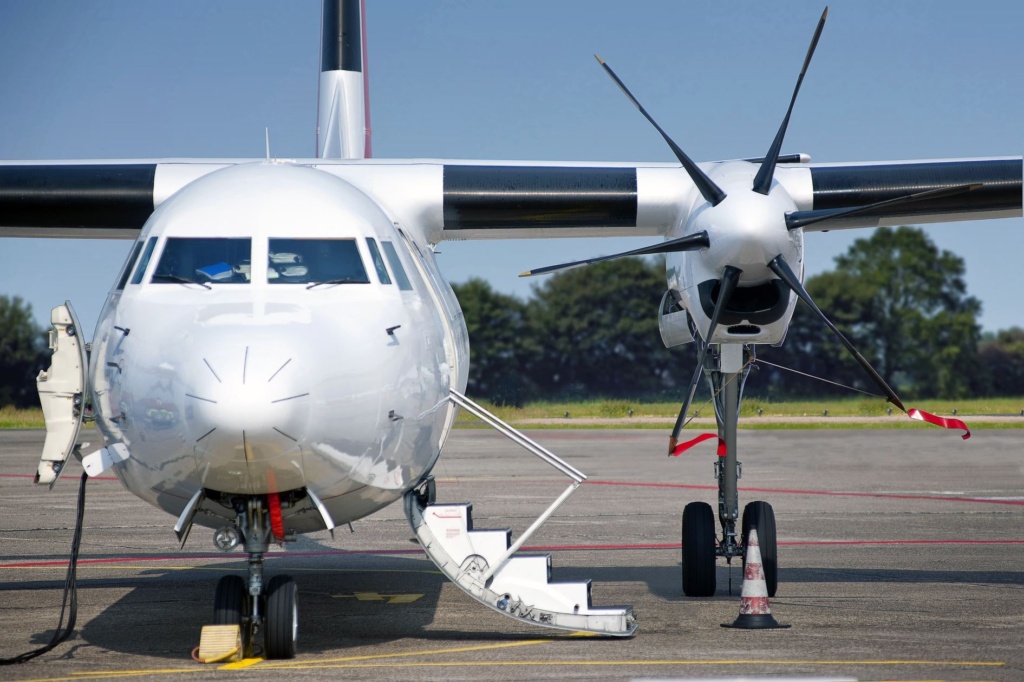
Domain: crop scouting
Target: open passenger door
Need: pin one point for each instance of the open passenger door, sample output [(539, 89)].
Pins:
[(62, 390)]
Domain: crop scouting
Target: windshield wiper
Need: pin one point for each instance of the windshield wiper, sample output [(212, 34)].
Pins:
[(179, 280), (340, 280)]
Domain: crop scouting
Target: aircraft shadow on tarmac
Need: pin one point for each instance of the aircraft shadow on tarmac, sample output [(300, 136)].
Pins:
[(665, 582), (359, 599), (344, 600)]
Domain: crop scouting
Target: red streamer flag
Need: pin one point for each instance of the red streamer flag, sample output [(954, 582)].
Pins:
[(683, 447), (944, 422)]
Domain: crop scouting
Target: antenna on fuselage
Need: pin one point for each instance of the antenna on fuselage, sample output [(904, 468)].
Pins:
[(267, 130)]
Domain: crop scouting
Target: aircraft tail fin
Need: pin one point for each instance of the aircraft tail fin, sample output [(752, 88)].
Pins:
[(343, 110)]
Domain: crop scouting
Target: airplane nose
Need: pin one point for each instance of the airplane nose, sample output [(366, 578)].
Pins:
[(246, 408)]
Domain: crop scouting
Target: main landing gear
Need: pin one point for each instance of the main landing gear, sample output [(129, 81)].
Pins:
[(727, 374), (271, 608)]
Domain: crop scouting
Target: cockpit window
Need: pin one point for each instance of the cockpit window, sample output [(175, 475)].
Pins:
[(378, 262), (136, 250), (204, 260), (396, 266), (315, 261), (140, 270)]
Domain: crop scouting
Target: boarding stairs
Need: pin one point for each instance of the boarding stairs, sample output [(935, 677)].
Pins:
[(484, 562)]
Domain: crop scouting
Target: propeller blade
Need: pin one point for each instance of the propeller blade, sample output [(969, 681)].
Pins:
[(798, 219), (730, 278), (692, 242), (781, 268), (763, 179), (785, 158), (711, 192)]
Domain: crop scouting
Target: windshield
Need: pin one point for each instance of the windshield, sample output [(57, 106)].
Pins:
[(205, 260), (312, 261)]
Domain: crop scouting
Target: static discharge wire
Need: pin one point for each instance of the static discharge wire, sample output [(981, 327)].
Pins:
[(69, 603)]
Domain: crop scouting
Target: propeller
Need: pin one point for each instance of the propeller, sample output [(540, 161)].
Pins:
[(799, 219), (692, 242), (770, 242), (730, 278), (711, 192), (763, 179)]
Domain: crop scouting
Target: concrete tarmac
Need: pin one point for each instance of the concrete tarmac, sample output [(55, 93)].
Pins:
[(901, 557)]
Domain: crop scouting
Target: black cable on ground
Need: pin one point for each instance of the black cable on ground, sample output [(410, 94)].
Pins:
[(70, 601)]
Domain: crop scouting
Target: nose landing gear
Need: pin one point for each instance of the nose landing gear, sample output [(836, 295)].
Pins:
[(249, 603), (727, 374)]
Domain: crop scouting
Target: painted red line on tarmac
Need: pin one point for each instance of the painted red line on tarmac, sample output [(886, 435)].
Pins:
[(191, 557), (799, 543), (831, 493), (528, 548), (91, 478)]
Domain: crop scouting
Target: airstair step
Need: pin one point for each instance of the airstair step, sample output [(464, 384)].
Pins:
[(452, 523), (522, 587), (565, 597)]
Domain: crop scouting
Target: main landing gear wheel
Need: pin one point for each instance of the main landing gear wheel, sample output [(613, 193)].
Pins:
[(698, 550), (760, 516), (282, 617), (229, 601)]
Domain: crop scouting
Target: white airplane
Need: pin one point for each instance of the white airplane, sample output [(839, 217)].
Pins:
[(280, 354)]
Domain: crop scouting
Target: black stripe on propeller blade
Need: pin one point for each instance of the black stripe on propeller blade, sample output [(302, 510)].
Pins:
[(711, 192), (730, 278), (763, 179), (692, 242), (781, 268)]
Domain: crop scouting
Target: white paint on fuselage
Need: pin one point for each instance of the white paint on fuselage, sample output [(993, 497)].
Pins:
[(255, 387)]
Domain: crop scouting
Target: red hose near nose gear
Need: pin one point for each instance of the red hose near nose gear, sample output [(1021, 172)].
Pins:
[(276, 522)]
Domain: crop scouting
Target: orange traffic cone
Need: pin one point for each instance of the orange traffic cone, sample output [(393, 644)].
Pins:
[(755, 614)]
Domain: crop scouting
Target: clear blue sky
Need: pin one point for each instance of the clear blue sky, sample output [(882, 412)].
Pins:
[(146, 79)]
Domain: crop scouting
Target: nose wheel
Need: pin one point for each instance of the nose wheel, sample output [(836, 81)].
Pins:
[(229, 601), (698, 550), (255, 606), (760, 516), (282, 620)]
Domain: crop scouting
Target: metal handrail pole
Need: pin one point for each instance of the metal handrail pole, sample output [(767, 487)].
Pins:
[(516, 436), (527, 444)]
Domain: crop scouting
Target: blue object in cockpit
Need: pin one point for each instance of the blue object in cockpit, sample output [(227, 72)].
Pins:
[(218, 272)]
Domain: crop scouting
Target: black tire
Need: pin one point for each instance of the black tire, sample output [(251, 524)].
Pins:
[(761, 516), (282, 617), (229, 601), (698, 550)]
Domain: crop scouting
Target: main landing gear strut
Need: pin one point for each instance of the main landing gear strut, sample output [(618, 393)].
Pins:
[(271, 607), (727, 373)]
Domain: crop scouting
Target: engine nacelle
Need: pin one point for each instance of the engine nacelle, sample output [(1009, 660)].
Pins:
[(673, 322)]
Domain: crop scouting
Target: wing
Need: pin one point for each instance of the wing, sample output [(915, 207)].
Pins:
[(501, 200), (837, 187)]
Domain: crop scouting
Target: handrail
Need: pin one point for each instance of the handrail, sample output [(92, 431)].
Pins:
[(517, 437), (535, 448)]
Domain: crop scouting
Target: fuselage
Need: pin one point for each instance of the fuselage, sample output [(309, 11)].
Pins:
[(275, 331)]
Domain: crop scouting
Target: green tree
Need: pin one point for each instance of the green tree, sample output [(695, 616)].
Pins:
[(597, 331), (1002, 354), (904, 304), (22, 353), (498, 343)]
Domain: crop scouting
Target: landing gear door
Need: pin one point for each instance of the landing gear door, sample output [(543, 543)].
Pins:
[(62, 392)]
